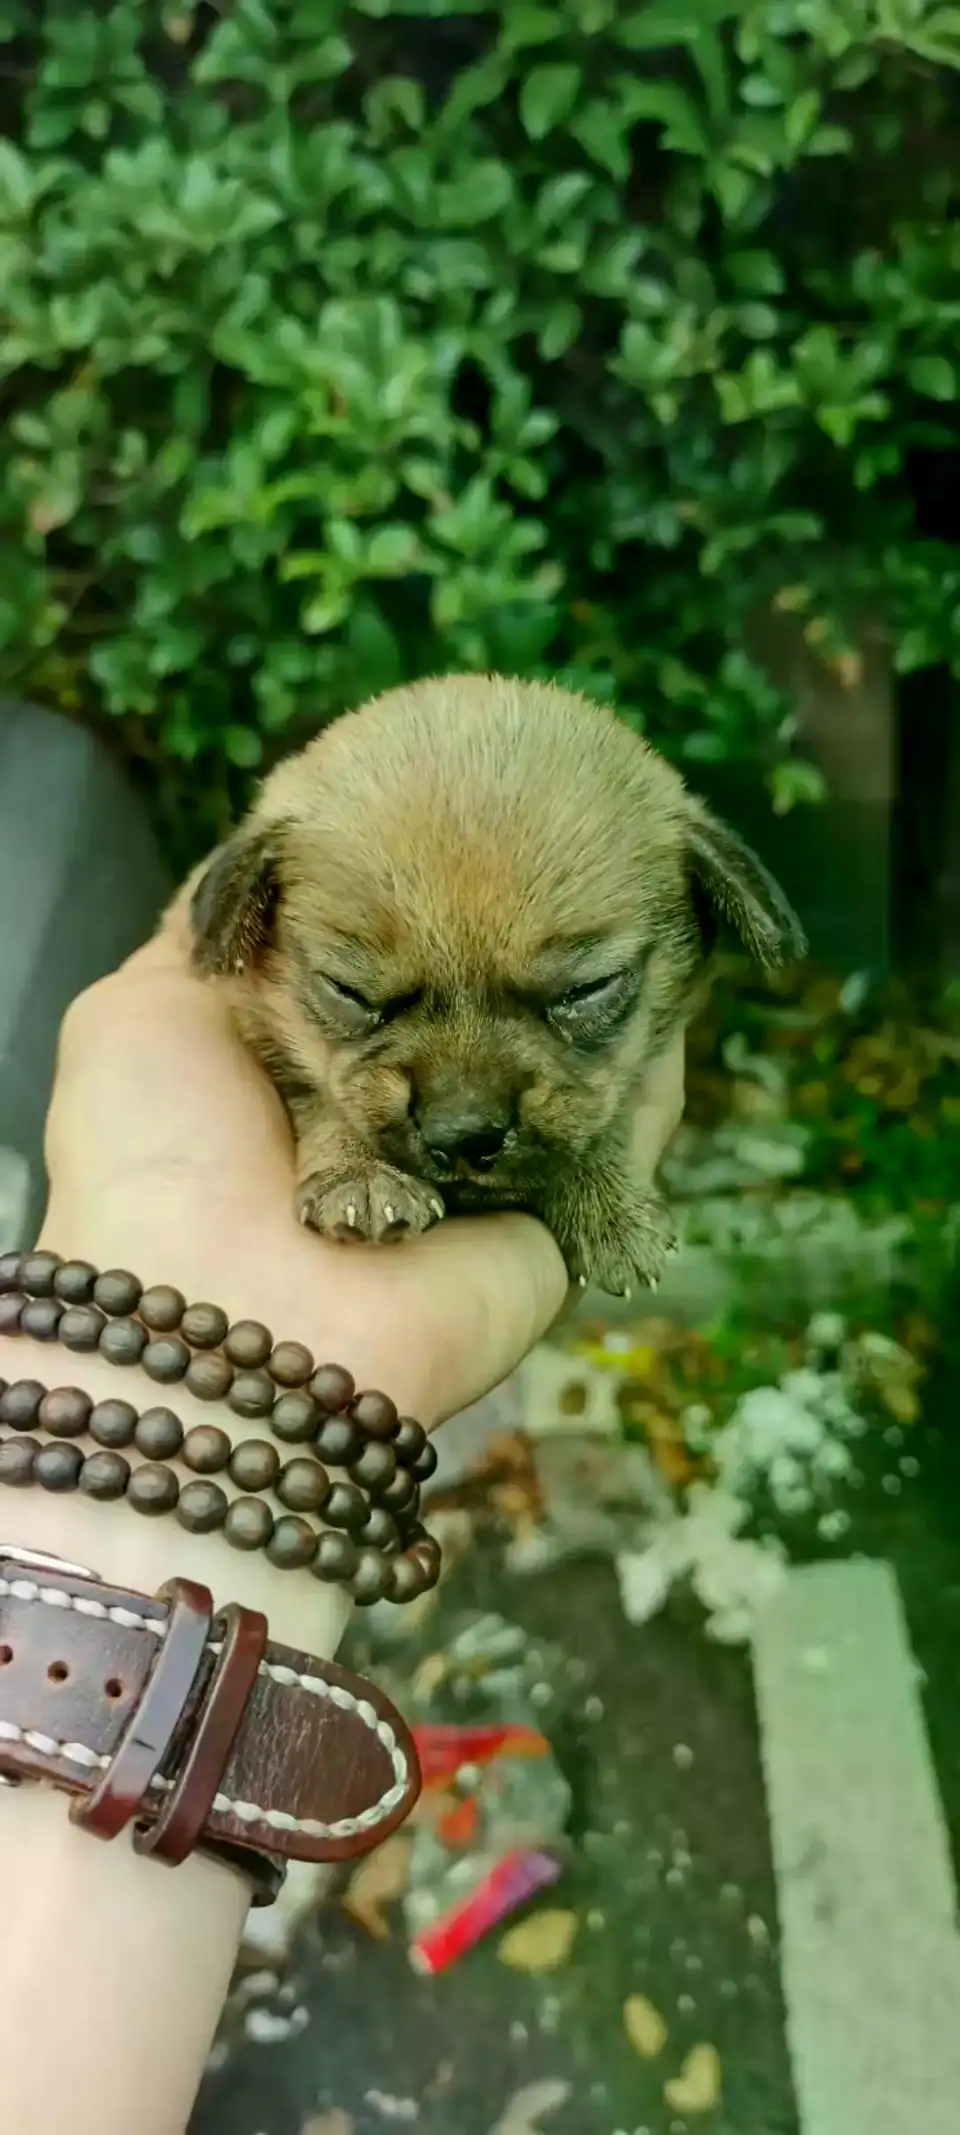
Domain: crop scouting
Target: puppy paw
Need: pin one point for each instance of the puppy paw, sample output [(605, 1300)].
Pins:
[(638, 1256), (629, 1252), (380, 1204)]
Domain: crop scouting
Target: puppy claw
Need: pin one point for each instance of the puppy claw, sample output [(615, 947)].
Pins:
[(382, 1205), (438, 1209)]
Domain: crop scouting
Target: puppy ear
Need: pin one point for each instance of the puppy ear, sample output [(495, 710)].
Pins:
[(232, 907), (730, 883)]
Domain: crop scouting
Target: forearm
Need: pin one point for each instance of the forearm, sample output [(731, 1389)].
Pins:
[(116, 1968)]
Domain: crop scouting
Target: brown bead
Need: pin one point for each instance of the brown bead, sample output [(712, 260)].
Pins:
[(292, 1544), (206, 1449), (65, 1412), (252, 1394), (113, 1423), (332, 1387), (303, 1485), (290, 1364), (57, 1467), (248, 1344), (159, 1434), (248, 1524), (105, 1476), (118, 1292), (371, 1578), (423, 1467), (123, 1341), (338, 1441), (17, 1456), (294, 1418), (410, 1440), (166, 1359), (74, 1281), (11, 1308), (407, 1579), (426, 1544), (374, 1468), (204, 1326), (153, 1489), (81, 1327), (202, 1508), (20, 1404), (346, 1506), (254, 1464), (209, 1376), (162, 1308), (427, 1551), (9, 1272), (400, 1494), (376, 1416), (41, 1317), (37, 1271), (336, 1559), (379, 1530)]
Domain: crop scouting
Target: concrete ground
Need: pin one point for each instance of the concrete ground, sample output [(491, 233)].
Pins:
[(827, 1998)]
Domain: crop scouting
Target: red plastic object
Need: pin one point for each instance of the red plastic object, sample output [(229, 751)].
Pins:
[(515, 1879)]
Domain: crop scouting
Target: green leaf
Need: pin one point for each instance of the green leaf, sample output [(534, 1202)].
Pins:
[(933, 376), (756, 273), (397, 96), (601, 129), (17, 183), (559, 331), (796, 783), (801, 117), (392, 552), (546, 97), (529, 26), (666, 105), (761, 93), (485, 190)]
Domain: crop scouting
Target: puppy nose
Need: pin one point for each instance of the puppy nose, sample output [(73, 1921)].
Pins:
[(475, 1138)]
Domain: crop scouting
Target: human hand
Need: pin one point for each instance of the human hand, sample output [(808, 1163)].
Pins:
[(169, 1152)]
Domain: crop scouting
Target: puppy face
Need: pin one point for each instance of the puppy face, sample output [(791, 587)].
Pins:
[(469, 914)]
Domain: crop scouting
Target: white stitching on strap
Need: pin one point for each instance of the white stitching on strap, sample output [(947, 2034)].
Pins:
[(246, 1812)]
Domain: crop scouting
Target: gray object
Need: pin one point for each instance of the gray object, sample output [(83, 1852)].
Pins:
[(82, 883)]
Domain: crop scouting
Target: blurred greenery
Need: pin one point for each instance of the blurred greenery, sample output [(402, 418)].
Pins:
[(344, 343), (870, 1074)]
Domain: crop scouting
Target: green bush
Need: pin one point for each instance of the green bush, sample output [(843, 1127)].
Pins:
[(344, 343)]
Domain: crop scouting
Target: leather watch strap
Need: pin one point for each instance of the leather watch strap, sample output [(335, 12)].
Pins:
[(191, 1726)]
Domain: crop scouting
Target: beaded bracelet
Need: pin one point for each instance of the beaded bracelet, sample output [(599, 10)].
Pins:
[(378, 1547)]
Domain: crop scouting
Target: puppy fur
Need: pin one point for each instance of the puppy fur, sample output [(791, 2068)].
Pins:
[(456, 930)]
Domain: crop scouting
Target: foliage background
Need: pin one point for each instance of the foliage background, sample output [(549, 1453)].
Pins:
[(340, 344)]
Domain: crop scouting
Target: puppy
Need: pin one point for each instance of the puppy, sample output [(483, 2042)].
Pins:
[(457, 930)]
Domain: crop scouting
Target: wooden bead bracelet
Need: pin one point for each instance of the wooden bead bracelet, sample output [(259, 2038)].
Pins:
[(371, 1541)]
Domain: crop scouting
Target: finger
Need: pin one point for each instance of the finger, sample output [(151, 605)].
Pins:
[(659, 1109), (471, 1298)]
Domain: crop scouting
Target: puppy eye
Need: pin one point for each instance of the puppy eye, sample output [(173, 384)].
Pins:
[(595, 991), (348, 993), (591, 1013), (374, 1013), (362, 1013)]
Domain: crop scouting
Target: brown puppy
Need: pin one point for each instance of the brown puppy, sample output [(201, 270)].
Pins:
[(457, 929)]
